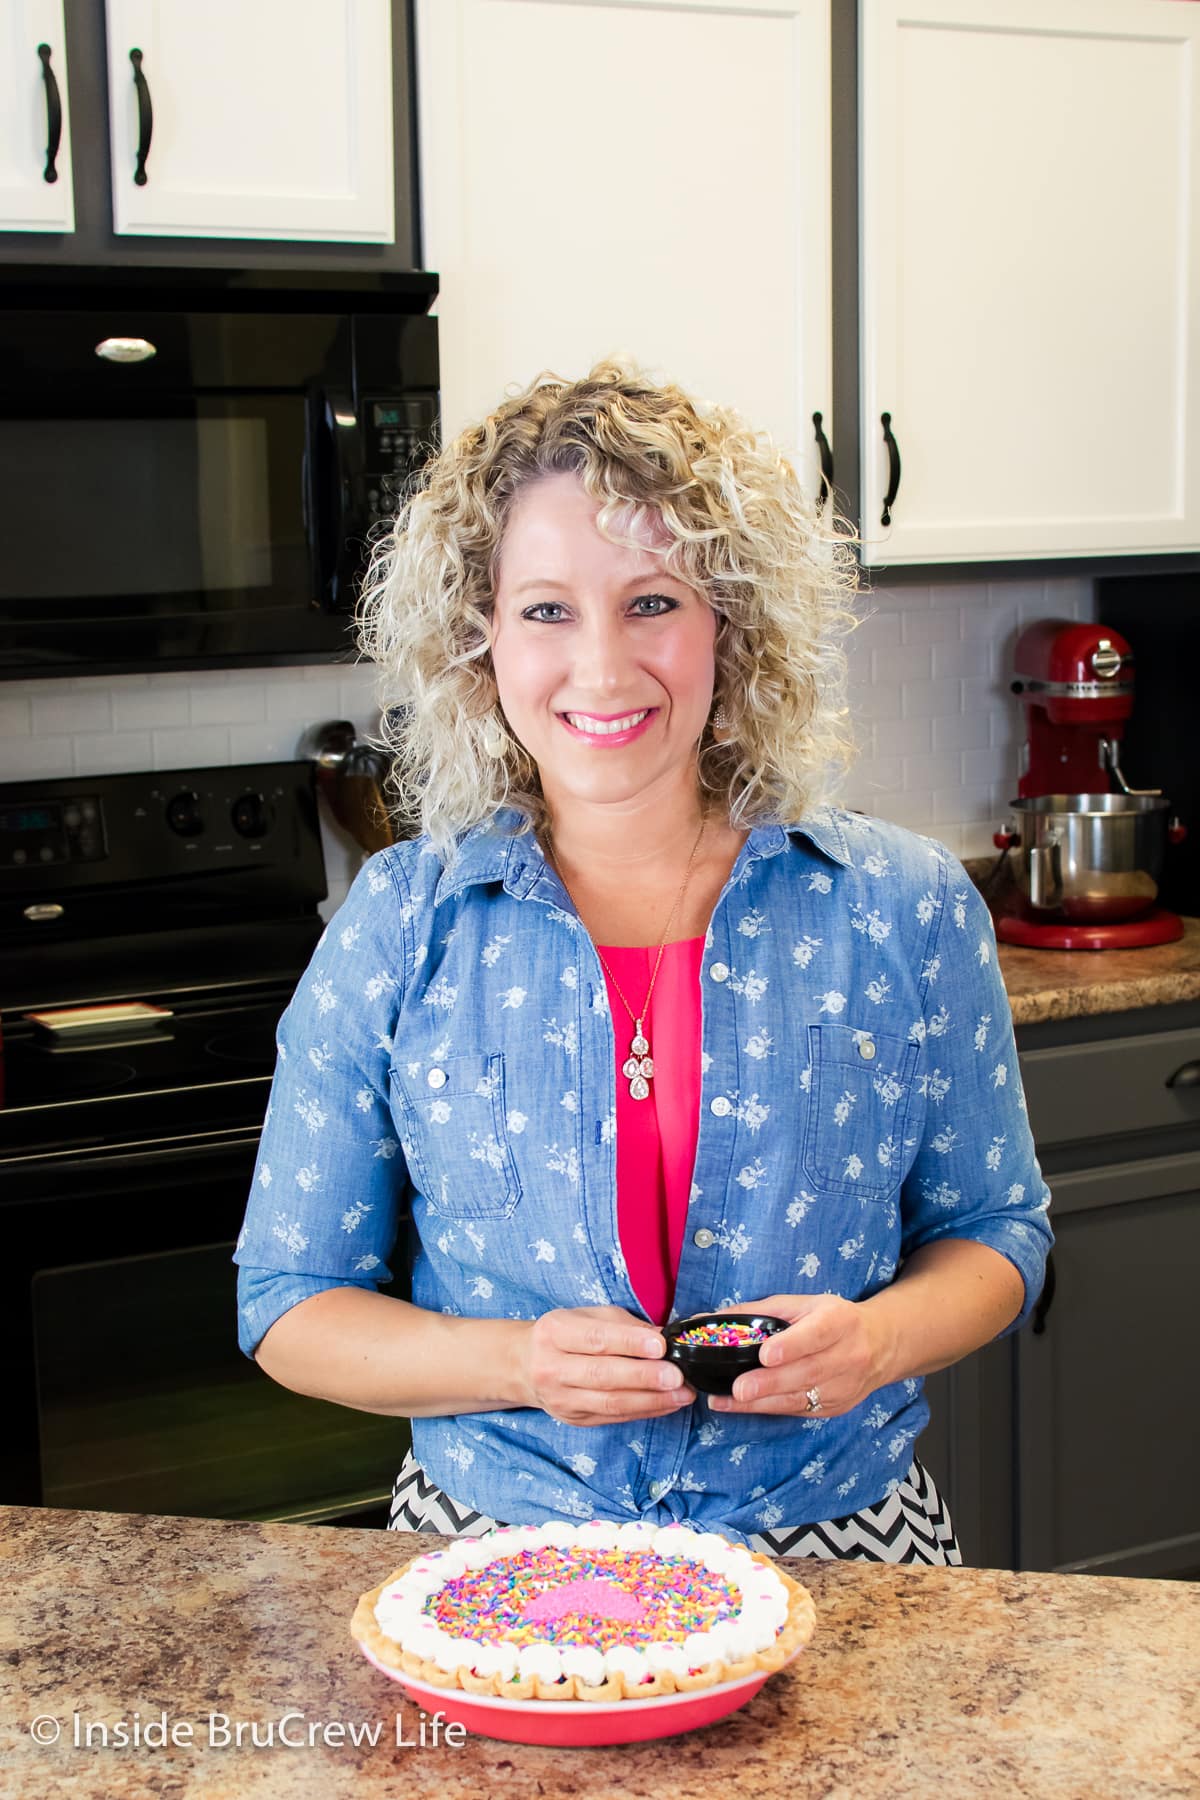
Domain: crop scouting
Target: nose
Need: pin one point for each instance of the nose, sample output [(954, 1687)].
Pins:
[(603, 659)]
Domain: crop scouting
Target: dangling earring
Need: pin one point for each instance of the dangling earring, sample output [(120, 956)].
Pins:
[(495, 744), (720, 722)]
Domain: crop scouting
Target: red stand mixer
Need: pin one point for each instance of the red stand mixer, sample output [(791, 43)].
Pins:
[(1087, 848)]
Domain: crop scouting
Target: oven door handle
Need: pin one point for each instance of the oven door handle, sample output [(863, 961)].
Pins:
[(137, 1153), (334, 496)]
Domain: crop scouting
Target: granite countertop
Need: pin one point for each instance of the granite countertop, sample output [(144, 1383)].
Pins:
[(1070, 984), (919, 1681)]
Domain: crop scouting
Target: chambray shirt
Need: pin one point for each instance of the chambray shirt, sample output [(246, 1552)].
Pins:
[(445, 1093)]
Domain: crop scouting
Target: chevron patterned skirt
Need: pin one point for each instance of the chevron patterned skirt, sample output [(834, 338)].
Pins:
[(911, 1525)]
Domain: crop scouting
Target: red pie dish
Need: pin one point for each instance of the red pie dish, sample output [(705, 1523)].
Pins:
[(596, 1633)]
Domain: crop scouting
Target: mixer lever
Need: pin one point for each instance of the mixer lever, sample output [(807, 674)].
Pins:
[(1109, 755)]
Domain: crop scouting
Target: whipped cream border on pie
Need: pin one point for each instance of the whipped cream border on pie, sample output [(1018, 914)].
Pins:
[(648, 1610)]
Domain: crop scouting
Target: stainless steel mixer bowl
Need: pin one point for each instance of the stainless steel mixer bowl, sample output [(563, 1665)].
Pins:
[(1090, 857)]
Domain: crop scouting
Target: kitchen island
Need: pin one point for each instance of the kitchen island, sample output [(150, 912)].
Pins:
[(918, 1681)]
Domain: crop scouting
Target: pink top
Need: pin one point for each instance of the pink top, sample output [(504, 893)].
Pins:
[(656, 1137)]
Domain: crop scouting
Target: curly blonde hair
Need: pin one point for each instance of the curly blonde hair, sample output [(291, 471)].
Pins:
[(740, 531)]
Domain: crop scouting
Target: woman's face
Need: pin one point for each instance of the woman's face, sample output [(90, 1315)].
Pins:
[(588, 633)]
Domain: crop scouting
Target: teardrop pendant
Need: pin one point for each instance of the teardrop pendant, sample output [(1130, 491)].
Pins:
[(638, 1068)]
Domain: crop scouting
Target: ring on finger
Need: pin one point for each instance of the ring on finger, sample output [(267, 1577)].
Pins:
[(812, 1398)]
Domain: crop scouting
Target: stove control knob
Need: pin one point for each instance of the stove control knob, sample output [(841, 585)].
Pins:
[(251, 816), (184, 815)]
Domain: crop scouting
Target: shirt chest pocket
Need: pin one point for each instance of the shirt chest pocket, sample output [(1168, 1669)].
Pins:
[(860, 1086), (454, 1138)]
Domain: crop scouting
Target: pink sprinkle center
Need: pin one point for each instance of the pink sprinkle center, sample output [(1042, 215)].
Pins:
[(600, 1599)]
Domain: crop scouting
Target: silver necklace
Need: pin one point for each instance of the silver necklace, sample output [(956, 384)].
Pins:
[(638, 1067)]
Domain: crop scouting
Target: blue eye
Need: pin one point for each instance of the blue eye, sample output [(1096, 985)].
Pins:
[(662, 604)]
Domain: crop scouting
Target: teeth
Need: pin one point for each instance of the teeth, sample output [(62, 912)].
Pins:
[(604, 728)]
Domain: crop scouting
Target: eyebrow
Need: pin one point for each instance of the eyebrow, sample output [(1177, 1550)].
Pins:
[(564, 587)]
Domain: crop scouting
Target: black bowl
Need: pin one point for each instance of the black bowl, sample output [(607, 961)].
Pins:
[(713, 1368)]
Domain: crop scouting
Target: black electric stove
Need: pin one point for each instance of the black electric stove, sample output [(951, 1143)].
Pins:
[(188, 898)]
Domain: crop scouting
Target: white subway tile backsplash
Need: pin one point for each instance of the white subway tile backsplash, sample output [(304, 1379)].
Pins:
[(137, 709), (979, 766), (192, 747), (926, 699), (309, 700), (120, 753), (265, 743), (882, 627), (71, 712), (932, 625), (217, 701), (961, 731), (975, 657), (957, 804), (872, 700), (35, 758), (903, 737), (923, 773), (16, 716), (906, 662)]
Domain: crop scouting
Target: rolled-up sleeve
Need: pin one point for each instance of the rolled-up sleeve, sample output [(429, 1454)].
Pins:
[(330, 1178), (975, 1174)]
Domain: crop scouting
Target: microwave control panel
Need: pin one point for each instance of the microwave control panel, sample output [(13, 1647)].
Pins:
[(398, 438)]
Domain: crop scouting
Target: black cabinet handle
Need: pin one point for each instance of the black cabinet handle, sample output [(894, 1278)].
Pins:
[(893, 450), (145, 119), (1186, 1077), (53, 115), (826, 455), (1045, 1298)]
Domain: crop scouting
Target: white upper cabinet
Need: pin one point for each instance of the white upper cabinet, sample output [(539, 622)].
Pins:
[(1030, 303), (652, 179), (35, 135), (258, 118)]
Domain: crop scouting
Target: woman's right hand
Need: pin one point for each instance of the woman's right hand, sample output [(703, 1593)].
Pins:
[(598, 1365)]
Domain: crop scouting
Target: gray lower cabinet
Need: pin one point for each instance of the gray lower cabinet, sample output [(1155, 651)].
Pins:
[(1108, 1439), (1075, 1444)]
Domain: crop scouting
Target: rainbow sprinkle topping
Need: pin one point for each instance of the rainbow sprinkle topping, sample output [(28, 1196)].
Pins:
[(723, 1335), (599, 1598)]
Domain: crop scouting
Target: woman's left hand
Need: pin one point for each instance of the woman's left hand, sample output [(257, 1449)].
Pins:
[(831, 1345)]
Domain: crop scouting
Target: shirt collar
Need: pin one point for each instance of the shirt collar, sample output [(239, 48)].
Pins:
[(491, 852)]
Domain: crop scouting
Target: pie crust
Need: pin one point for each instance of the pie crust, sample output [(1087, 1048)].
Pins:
[(688, 1551)]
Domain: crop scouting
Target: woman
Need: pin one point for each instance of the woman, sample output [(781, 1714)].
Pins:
[(639, 1027)]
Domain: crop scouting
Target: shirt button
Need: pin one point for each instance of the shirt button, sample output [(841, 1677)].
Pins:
[(866, 1049), (719, 971), (704, 1239), (721, 1106), (436, 1078), (657, 1489)]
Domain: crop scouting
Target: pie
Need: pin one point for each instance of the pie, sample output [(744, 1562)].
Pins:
[(599, 1612)]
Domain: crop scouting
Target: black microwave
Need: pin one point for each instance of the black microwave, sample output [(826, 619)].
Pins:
[(194, 463)]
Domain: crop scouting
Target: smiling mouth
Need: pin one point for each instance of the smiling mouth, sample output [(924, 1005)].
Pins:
[(607, 727)]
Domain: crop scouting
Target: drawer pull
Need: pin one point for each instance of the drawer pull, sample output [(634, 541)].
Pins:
[(1186, 1077), (145, 119), (54, 117)]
